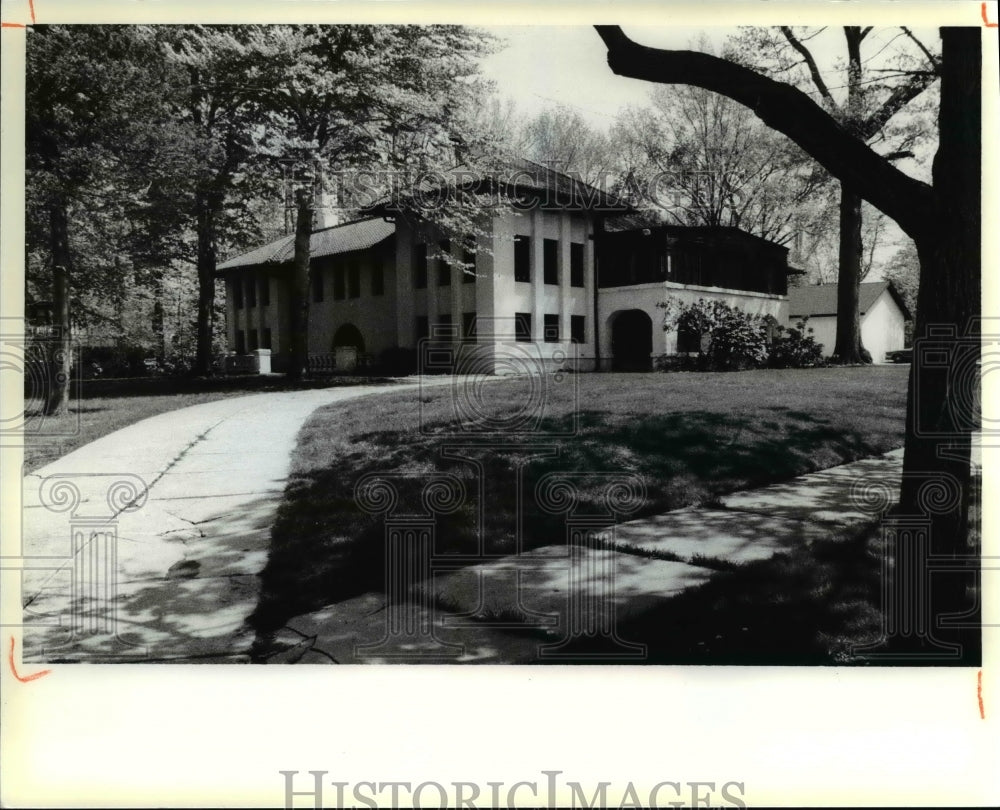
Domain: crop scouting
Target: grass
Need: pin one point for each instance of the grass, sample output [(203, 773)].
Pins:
[(689, 438), (105, 406)]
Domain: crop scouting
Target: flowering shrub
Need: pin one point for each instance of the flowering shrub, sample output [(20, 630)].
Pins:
[(795, 347), (736, 339), (739, 340)]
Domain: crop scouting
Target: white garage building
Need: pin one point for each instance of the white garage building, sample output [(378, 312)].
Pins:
[(882, 309)]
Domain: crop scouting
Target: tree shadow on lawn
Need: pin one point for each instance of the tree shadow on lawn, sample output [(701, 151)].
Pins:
[(325, 549), (819, 604)]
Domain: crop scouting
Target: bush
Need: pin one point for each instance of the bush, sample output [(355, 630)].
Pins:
[(736, 339), (795, 347)]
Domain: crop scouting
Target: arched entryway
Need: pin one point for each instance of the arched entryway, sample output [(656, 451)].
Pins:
[(349, 335), (631, 341)]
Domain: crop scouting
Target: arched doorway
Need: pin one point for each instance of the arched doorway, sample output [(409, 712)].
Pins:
[(349, 335), (631, 341)]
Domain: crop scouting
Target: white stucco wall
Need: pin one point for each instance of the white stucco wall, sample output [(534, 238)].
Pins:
[(496, 297), (614, 300), (882, 329), (373, 315)]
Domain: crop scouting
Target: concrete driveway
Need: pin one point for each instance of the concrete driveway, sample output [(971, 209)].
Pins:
[(145, 545)]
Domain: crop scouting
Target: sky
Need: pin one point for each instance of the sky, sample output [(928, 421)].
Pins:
[(541, 65)]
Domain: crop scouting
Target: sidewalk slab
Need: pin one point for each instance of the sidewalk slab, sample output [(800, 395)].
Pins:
[(850, 495), (358, 631), (726, 534)]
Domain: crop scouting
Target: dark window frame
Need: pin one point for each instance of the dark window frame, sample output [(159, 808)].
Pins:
[(578, 328), (420, 266), (443, 266), (339, 283), (577, 275), (522, 327), (316, 283), (550, 328), (353, 279), (550, 261), (422, 327), (469, 326), (522, 259)]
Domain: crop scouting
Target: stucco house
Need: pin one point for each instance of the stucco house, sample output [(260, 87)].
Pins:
[(883, 315), (551, 283)]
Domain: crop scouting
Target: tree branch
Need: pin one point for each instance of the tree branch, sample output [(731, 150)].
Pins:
[(934, 60), (789, 111), (817, 77), (898, 99)]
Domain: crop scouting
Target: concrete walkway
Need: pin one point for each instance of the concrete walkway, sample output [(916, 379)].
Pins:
[(523, 609), (147, 543)]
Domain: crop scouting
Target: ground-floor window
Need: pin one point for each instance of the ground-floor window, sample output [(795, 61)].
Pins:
[(577, 328), (522, 327), (241, 342), (551, 328), (469, 325), (317, 285), (688, 340), (253, 340), (423, 327), (266, 338)]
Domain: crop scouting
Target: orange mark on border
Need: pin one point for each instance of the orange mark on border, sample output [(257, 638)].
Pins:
[(986, 21), (31, 8), (979, 694), (12, 25), (34, 676)]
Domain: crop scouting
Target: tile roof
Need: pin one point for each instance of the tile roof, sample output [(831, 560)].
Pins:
[(821, 299), (358, 235), (520, 174)]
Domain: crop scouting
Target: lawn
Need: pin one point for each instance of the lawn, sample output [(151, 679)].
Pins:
[(104, 406), (688, 437)]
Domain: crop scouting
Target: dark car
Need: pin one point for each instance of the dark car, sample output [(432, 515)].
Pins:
[(899, 356)]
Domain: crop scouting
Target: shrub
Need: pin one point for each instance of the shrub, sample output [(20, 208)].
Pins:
[(795, 347), (736, 339)]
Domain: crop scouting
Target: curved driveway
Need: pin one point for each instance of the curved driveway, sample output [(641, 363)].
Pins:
[(179, 507)]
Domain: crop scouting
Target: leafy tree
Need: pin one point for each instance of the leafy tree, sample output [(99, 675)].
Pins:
[(706, 160), (220, 79), (943, 219), (391, 98), (876, 86), (93, 120)]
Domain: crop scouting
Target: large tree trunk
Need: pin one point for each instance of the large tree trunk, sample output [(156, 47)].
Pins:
[(848, 348), (60, 359), (205, 224), (944, 388), (299, 298)]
